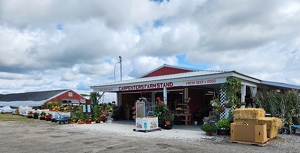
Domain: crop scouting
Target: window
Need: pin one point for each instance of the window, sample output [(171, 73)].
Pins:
[(70, 94)]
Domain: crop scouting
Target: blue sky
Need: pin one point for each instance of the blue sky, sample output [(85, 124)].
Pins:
[(48, 45)]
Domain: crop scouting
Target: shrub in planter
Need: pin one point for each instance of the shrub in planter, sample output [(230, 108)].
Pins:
[(223, 126), (168, 117), (35, 115), (209, 128), (42, 115)]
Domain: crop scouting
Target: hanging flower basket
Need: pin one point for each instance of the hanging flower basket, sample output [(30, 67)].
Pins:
[(228, 105), (221, 109)]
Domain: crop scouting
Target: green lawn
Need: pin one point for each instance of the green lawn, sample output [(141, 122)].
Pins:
[(10, 117)]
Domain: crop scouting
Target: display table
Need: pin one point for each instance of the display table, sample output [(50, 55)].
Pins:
[(186, 118)]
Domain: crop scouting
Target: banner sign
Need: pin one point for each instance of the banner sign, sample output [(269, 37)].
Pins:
[(161, 85), (203, 82), (198, 82), (146, 86)]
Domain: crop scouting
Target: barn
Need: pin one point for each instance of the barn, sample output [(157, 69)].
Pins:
[(184, 88), (38, 98)]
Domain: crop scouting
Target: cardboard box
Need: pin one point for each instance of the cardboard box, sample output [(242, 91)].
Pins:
[(249, 132)]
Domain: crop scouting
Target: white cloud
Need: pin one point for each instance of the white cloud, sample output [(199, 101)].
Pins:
[(257, 38)]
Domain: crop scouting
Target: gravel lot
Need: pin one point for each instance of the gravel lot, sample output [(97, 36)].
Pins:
[(43, 136)]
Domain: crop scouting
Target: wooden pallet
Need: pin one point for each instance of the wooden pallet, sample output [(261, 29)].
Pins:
[(157, 129), (250, 143)]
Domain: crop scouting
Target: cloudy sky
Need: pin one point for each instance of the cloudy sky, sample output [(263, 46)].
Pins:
[(74, 44)]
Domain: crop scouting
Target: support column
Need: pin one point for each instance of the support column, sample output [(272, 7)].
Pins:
[(186, 93), (253, 94), (243, 93), (165, 95), (119, 97)]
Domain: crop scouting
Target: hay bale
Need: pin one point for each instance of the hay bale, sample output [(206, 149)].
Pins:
[(273, 125), (271, 122), (249, 113), (245, 120)]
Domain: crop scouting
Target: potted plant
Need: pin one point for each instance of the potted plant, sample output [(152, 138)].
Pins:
[(35, 115), (228, 105), (72, 120), (88, 119), (48, 116), (42, 115), (30, 114), (168, 117), (80, 121), (103, 118), (160, 110), (223, 126), (200, 114), (97, 120), (209, 128)]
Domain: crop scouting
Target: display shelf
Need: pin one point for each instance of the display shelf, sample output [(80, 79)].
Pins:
[(186, 118), (182, 111)]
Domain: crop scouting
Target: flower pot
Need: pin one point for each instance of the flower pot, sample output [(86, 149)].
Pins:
[(228, 105), (167, 127), (223, 132), (208, 133), (48, 119), (72, 122), (222, 109), (167, 122), (80, 122), (42, 117), (88, 122)]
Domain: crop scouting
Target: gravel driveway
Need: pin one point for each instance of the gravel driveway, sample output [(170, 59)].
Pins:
[(43, 136)]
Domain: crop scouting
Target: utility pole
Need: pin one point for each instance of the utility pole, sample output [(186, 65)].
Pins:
[(120, 67)]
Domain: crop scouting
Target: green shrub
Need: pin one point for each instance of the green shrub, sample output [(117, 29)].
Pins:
[(223, 123), (209, 127)]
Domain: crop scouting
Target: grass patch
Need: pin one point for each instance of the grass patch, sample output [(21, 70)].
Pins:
[(20, 118), (278, 138), (10, 117)]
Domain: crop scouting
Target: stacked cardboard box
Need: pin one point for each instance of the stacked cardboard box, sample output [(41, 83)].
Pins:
[(253, 132), (256, 116)]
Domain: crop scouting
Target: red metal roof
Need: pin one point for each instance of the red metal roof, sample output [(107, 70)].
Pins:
[(166, 70)]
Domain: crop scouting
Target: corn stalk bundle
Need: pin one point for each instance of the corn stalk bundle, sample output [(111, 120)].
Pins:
[(283, 104)]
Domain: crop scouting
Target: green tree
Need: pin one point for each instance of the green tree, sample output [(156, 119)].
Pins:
[(95, 97)]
